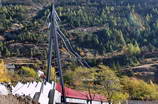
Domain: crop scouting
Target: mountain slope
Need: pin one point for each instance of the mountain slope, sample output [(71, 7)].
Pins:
[(95, 28)]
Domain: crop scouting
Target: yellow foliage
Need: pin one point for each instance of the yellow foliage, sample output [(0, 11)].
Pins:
[(53, 74), (119, 97), (132, 49), (2, 67), (4, 76), (138, 89), (29, 72)]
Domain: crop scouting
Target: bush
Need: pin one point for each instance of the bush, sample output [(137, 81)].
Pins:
[(139, 90), (29, 72), (132, 49)]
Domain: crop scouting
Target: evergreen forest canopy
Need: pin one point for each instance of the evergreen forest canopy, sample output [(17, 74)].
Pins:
[(104, 26)]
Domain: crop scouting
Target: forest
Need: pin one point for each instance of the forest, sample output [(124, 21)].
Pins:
[(109, 34)]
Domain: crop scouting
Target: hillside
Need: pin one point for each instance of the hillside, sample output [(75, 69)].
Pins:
[(117, 38), (111, 30)]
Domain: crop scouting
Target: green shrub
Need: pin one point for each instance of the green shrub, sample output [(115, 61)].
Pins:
[(29, 72)]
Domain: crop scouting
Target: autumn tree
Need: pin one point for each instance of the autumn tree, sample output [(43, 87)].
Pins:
[(110, 84), (83, 79), (97, 80), (132, 49), (138, 89)]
